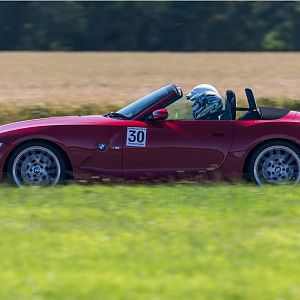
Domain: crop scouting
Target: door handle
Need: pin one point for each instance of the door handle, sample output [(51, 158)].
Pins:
[(219, 134)]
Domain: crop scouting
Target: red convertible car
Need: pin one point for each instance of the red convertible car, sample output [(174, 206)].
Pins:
[(153, 137)]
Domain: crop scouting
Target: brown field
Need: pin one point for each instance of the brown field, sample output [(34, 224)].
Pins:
[(74, 78)]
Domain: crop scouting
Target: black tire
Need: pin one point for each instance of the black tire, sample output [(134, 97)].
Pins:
[(262, 172), (15, 177)]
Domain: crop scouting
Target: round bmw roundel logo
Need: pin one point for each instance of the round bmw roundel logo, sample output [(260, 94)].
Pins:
[(101, 147)]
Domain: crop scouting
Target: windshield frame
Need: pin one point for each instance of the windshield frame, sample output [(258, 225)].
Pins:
[(148, 103)]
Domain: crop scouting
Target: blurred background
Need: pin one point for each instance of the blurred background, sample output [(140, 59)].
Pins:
[(150, 26), (91, 57)]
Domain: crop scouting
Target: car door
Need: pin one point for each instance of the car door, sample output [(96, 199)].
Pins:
[(153, 148)]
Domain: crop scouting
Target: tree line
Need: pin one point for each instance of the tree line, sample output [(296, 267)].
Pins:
[(150, 26)]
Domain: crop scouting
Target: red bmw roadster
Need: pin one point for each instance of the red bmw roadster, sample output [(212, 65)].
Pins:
[(155, 136)]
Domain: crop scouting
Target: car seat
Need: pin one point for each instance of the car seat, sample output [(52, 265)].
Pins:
[(231, 99)]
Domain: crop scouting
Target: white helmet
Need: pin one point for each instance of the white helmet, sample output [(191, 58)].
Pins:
[(201, 88), (207, 106)]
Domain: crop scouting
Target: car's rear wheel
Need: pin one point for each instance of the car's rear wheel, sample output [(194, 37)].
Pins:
[(36, 163), (275, 162)]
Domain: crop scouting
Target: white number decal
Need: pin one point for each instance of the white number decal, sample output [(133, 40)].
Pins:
[(136, 136)]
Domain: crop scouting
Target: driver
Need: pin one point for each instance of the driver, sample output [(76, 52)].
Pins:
[(201, 88), (208, 104)]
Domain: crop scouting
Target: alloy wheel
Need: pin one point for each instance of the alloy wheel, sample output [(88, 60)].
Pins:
[(36, 165), (277, 164)]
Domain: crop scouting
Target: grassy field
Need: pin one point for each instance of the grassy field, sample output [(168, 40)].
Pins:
[(41, 84), (155, 242)]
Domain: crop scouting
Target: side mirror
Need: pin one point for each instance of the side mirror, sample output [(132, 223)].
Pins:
[(160, 114)]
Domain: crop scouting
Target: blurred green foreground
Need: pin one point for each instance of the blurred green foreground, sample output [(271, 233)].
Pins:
[(150, 242)]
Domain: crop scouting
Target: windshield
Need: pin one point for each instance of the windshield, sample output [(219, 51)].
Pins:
[(133, 109)]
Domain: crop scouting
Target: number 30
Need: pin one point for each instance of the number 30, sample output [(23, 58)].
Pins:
[(138, 136)]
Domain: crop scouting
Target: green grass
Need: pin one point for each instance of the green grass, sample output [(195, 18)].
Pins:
[(182, 241), (12, 113)]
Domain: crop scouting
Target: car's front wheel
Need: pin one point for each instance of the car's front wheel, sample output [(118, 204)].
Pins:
[(36, 163), (275, 162)]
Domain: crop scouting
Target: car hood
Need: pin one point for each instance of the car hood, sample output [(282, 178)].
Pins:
[(59, 121)]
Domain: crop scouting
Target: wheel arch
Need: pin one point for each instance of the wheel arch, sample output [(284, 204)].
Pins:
[(45, 141), (246, 162)]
